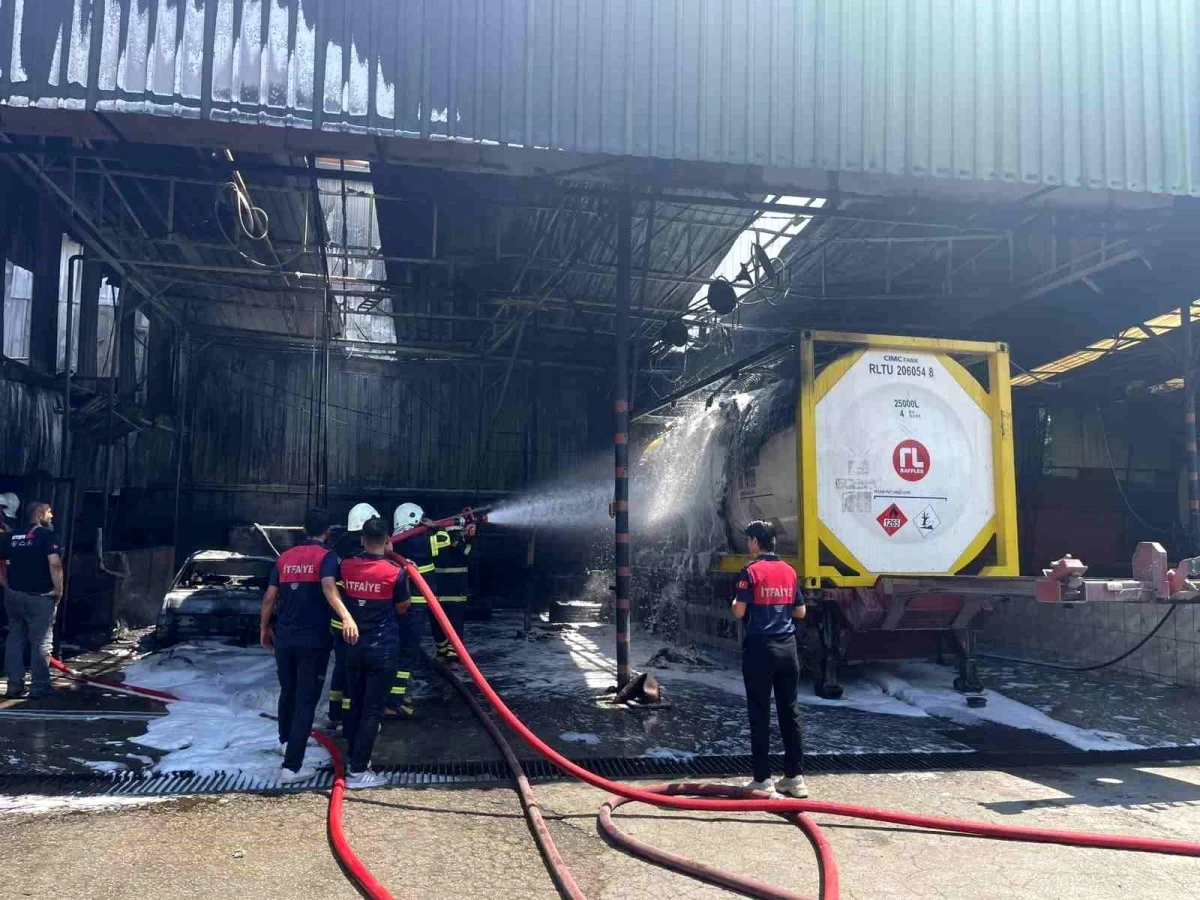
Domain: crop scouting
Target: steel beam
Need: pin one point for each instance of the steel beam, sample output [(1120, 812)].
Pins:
[(87, 230), (1187, 326), (621, 441)]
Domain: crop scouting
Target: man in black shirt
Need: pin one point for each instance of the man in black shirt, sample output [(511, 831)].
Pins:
[(33, 588)]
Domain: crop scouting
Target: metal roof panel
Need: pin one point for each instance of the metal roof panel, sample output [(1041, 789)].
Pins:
[(1059, 92)]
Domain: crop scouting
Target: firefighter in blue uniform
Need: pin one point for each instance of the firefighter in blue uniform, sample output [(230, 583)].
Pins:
[(419, 550), (769, 605), (348, 545), (376, 590), (301, 591)]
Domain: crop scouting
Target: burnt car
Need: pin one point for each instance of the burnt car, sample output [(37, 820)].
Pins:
[(217, 594)]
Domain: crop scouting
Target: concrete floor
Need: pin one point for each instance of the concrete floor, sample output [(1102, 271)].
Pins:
[(437, 843), (552, 683)]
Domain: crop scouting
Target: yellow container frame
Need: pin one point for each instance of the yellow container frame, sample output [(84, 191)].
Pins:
[(995, 402)]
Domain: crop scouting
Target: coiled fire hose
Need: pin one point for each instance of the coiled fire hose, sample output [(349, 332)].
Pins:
[(714, 798)]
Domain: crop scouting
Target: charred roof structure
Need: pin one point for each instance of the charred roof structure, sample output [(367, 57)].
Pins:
[(345, 249)]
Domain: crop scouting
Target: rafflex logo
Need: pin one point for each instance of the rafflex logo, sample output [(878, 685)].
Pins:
[(911, 461)]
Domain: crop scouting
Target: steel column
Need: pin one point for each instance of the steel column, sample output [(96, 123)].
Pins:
[(621, 440), (89, 316), (183, 370), (64, 466), (43, 324), (114, 363), (1189, 418)]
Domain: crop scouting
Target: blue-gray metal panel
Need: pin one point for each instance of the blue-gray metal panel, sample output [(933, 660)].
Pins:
[(1069, 92)]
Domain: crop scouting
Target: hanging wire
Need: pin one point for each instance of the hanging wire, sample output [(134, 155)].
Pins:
[(1113, 468)]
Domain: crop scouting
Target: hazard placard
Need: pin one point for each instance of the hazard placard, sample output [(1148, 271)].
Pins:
[(892, 519)]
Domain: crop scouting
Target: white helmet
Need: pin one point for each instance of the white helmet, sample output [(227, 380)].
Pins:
[(359, 516), (408, 515), (9, 504)]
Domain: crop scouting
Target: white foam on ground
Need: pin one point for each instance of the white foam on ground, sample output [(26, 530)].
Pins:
[(580, 656), (671, 754), (579, 737), (106, 767), (34, 804), (218, 726), (929, 687)]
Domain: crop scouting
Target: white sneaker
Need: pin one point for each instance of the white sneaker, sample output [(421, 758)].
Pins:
[(792, 787), (357, 781), (768, 785), (304, 773)]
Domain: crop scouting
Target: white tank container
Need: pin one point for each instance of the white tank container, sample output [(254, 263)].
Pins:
[(904, 463), (904, 467)]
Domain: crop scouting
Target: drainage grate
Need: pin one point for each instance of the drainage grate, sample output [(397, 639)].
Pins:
[(494, 772)]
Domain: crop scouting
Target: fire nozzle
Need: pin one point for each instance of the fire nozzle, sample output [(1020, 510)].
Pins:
[(467, 518)]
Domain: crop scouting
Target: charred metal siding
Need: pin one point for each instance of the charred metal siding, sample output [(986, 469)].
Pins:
[(31, 432), (30, 429), (1053, 92), (417, 427)]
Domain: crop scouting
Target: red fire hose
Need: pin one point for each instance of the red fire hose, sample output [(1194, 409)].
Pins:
[(353, 866), (672, 797), (829, 890)]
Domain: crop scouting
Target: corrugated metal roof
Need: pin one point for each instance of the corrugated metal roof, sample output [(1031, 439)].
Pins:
[(1133, 336), (1054, 92)]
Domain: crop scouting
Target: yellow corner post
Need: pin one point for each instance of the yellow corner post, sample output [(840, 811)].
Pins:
[(1003, 467), (806, 465)]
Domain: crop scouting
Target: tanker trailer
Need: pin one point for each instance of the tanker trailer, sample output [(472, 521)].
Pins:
[(888, 473)]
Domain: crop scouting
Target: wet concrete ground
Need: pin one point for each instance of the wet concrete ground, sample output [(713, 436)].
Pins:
[(554, 682), (1147, 712), (438, 843)]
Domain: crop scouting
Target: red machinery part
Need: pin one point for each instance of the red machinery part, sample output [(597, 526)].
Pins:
[(351, 864)]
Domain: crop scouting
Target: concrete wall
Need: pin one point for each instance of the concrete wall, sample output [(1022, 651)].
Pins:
[(1088, 634)]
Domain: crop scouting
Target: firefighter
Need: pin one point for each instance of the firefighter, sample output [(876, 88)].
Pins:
[(419, 550), (348, 545), (769, 605), (33, 588), (301, 591), (451, 551), (376, 590)]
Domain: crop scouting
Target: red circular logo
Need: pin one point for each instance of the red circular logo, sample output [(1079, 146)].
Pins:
[(911, 460)]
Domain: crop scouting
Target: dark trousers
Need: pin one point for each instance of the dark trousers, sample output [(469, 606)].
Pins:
[(370, 679), (771, 663), (456, 612), (301, 676), (339, 698), (410, 660)]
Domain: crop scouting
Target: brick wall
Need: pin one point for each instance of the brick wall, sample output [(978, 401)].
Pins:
[(1086, 634)]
